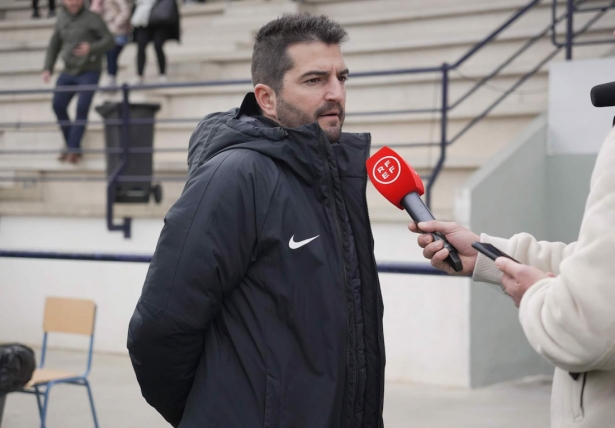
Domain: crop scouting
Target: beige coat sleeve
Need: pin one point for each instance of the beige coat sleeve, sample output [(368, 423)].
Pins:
[(546, 256), (570, 319)]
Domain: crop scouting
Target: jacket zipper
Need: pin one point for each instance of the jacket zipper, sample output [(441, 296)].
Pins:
[(341, 241), (578, 411), (380, 341)]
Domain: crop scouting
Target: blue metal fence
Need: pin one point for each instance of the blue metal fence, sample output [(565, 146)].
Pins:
[(383, 267)]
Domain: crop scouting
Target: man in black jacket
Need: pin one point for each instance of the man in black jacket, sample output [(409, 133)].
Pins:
[(262, 306)]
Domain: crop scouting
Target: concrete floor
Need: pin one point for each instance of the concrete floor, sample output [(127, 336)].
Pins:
[(119, 403)]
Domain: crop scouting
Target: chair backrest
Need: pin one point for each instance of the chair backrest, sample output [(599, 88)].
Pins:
[(64, 315)]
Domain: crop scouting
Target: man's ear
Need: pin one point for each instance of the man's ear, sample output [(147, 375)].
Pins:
[(266, 99)]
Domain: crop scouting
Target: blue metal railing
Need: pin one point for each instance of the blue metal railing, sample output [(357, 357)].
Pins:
[(383, 267), (446, 106), (572, 7)]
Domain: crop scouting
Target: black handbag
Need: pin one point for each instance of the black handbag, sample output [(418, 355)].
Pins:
[(164, 12), (17, 364)]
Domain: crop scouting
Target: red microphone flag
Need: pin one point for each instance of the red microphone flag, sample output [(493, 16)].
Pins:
[(392, 176)]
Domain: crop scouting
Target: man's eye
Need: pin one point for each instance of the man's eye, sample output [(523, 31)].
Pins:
[(343, 78), (314, 80)]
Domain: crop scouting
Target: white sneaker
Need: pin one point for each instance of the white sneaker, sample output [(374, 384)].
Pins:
[(111, 81), (163, 78), (136, 80)]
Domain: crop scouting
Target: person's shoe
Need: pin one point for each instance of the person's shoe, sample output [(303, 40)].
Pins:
[(63, 156), (137, 80), (35, 14), (111, 81), (51, 14), (163, 78), (73, 158)]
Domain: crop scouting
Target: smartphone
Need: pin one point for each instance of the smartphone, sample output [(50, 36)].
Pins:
[(491, 251)]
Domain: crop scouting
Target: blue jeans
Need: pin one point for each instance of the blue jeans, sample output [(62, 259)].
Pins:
[(114, 53), (112, 57), (74, 133)]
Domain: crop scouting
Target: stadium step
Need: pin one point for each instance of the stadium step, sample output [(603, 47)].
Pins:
[(216, 44)]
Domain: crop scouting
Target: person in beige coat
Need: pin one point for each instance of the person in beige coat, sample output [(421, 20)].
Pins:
[(116, 14), (566, 297)]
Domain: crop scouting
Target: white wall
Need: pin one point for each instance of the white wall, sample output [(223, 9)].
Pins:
[(115, 287), (575, 125), (426, 318), (504, 197)]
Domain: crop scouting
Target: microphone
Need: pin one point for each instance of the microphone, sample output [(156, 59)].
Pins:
[(400, 184), (603, 95)]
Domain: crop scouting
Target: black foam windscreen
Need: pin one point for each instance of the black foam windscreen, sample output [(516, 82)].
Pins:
[(603, 95)]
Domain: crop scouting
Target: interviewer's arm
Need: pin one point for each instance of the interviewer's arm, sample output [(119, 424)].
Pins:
[(570, 319), (546, 256), (204, 250)]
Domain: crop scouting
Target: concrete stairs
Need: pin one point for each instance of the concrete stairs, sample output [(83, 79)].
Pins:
[(216, 44)]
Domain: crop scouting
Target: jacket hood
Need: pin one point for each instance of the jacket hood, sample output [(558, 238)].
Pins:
[(239, 128)]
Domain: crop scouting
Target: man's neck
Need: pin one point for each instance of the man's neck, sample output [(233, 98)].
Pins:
[(271, 118), (76, 13), (267, 120), (250, 107)]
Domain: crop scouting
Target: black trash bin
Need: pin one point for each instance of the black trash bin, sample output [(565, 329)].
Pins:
[(140, 135)]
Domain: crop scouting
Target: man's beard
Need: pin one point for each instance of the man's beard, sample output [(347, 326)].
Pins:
[(290, 116)]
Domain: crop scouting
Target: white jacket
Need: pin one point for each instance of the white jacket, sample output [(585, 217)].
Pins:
[(140, 16), (570, 319)]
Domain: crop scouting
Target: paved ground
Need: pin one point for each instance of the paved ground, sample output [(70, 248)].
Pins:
[(119, 403)]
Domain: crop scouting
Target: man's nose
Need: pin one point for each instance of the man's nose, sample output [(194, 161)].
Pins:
[(335, 91)]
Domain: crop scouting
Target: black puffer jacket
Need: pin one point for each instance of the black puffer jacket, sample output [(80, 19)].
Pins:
[(243, 322)]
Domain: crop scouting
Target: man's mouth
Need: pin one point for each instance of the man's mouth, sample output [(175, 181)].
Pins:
[(330, 114)]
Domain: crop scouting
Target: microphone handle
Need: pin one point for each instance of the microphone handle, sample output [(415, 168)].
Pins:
[(414, 205)]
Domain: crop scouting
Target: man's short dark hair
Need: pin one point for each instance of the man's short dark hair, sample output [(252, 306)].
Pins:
[(270, 60)]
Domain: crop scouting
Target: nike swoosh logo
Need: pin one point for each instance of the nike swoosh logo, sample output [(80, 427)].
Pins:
[(294, 245)]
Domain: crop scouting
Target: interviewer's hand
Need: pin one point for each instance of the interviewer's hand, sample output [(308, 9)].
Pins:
[(82, 49), (46, 75), (459, 237), (519, 278)]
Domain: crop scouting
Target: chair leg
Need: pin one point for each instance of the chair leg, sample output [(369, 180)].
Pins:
[(38, 402), (87, 385), (45, 405)]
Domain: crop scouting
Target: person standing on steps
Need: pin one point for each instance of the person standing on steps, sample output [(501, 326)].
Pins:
[(52, 9), (82, 38), (154, 21), (116, 14)]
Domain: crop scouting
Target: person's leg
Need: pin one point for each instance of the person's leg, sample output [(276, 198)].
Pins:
[(52, 8), (35, 13), (60, 104), (142, 39), (120, 42), (83, 107), (160, 36), (112, 57)]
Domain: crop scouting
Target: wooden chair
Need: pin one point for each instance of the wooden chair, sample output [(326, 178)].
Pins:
[(63, 316)]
